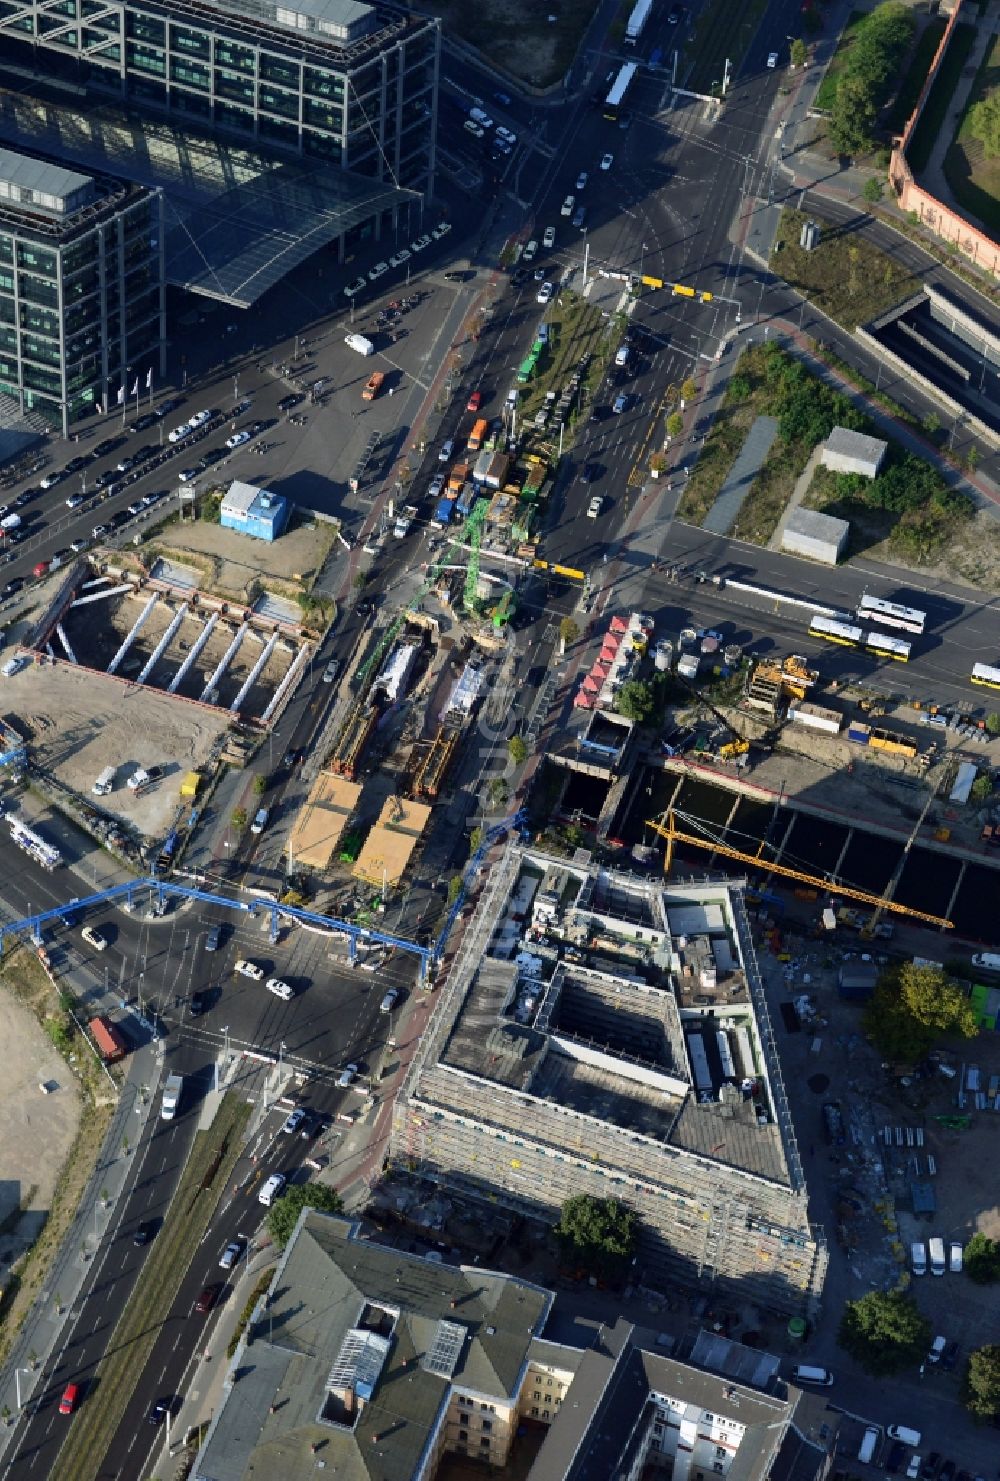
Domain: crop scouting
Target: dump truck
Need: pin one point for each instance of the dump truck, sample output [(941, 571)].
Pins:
[(404, 520), (172, 1091), (373, 385)]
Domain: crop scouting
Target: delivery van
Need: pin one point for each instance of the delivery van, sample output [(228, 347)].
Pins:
[(987, 961), (918, 1257), (821, 1377), (359, 343), (868, 1443), (935, 1249), (904, 1433), (104, 782)]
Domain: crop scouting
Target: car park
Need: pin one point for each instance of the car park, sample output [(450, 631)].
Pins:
[(595, 506), (353, 289), (51, 479), (293, 1121), (549, 237), (249, 969), (398, 258), (950, 1356), (200, 418), (177, 434), (913, 1469), (280, 989), (544, 294), (187, 475), (70, 1398), (947, 1471), (505, 133), (347, 1076), (894, 1458), (474, 129), (955, 1257), (931, 1466), (237, 439), (378, 271), (93, 938), (566, 209), (419, 243)]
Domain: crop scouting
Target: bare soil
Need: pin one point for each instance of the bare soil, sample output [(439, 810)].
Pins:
[(81, 721), (235, 565)]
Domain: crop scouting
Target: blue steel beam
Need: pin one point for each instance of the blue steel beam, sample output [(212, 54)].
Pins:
[(469, 874)]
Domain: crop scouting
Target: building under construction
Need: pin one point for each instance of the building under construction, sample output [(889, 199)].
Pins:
[(608, 1035)]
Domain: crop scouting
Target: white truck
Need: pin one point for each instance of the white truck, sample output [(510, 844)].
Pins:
[(105, 782), (360, 343), (10, 522), (138, 779), (404, 519), (171, 1097), (688, 665)]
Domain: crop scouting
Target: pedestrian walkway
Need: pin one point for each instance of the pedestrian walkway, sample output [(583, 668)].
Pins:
[(798, 494), (749, 460), (79, 1263)]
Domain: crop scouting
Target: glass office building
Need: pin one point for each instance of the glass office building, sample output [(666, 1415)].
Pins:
[(81, 288), (349, 83)]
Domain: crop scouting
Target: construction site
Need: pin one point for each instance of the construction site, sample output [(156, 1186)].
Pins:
[(602, 1034)]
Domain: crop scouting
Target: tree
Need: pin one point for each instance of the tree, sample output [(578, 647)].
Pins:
[(360, 580), (598, 1233), (799, 53), (981, 1260), (635, 701), (689, 389), (913, 1007), (873, 191), (984, 121), (674, 424), (982, 788), (285, 1210), (884, 1332), (454, 888), (239, 818), (569, 631), (852, 117), (982, 1382), (517, 750), (993, 723), (260, 785)]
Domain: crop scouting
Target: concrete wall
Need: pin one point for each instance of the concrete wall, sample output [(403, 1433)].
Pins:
[(815, 550), (943, 220)]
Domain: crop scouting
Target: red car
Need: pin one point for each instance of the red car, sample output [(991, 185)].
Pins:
[(71, 1395), (475, 401)]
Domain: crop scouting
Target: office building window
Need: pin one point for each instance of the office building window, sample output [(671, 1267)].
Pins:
[(191, 43)]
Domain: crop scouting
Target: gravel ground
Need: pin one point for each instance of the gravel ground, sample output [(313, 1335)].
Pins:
[(81, 721)]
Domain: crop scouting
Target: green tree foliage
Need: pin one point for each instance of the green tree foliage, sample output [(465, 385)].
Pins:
[(454, 888), (884, 1332), (799, 53), (873, 189), (517, 750), (569, 631), (635, 701), (912, 1008), (740, 388), (982, 1382), (598, 1233), (982, 788), (807, 409), (984, 122), (239, 817), (675, 424), (260, 785), (284, 1214), (981, 1261), (870, 69), (993, 723)]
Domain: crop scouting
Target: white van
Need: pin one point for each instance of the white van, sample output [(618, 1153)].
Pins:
[(104, 782), (955, 1257), (13, 666), (935, 1249), (904, 1433), (359, 343), (621, 358), (868, 1443), (260, 821), (918, 1257), (987, 961), (272, 1189), (937, 1349), (822, 1377)]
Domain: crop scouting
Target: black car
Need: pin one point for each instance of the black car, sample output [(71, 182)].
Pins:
[(24, 497), (591, 472), (143, 423), (598, 413), (950, 1356), (894, 1459), (166, 407), (159, 1411), (143, 1233), (104, 479), (519, 276), (947, 1472), (109, 445), (292, 400), (12, 586), (197, 1004), (74, 466), (213, 938), (931, 1466)]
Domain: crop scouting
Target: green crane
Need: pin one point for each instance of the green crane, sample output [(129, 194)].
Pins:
[(474, 539)]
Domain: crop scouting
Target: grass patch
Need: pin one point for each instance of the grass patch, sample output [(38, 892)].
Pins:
[(915, 74), (22, 976), (202, 1184), (576, 328), (742, 402), (973, 176), (724, 29), (846, 277), (927, 131), (827, 94)]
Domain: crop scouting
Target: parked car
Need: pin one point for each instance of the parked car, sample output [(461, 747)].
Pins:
[(280, 989), (237, 439), (544, 294), (353, 289), (249, 969), (581, 180), (376, 272), (566, 209), (347, 1076), (447, 448), (293, 1121)]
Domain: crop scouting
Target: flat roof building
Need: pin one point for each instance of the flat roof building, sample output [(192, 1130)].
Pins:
[(81, 289), (819, 537), (254, 511), (607, 1035), (846, 451), (349, 86)]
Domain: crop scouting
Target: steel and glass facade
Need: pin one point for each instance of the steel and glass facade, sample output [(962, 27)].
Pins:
[(349, 83), (81, 288)]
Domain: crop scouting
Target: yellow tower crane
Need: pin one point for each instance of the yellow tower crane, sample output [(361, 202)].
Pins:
[(668, 829)]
